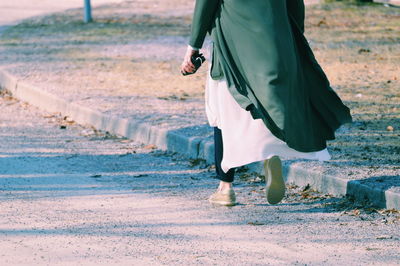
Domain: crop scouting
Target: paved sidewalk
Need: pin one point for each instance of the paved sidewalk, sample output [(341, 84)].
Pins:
[(179, 126), (13, 11), (71, 195)]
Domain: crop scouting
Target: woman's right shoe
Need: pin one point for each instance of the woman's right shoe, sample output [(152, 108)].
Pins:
[(275, 185), (224, 198)]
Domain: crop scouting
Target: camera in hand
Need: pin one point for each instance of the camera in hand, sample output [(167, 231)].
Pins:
[(197, 61)]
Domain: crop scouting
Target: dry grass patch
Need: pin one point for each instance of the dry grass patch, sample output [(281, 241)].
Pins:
[(359, 48)]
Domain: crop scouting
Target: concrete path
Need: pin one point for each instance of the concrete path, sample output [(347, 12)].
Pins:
[(71, 195), (13, 11)]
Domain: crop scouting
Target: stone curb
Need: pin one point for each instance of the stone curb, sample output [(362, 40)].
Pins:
[(193, 147), (395, 3)]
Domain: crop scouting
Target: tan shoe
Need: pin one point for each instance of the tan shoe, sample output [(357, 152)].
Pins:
[(225, 198), (275, 185)]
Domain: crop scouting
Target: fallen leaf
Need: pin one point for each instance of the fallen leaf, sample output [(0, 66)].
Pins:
[(128, 153), (371, 249), (355, 212), (390, 128), (150, 147), (364, 50), (371, 210), (321, 22), (49, 116), (195, 162), (307, 187), (389, 211), (383, 237), (256, 223), (140, 175)]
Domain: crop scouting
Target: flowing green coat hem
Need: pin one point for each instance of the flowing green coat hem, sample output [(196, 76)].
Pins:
[(260, 50)]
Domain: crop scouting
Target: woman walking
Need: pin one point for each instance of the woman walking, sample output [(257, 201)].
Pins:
[(266, 95)]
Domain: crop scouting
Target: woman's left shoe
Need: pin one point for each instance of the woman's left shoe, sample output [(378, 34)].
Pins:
[(224, 198), (275, 185)]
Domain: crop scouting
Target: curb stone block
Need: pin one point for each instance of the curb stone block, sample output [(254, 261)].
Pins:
[(389, 2), (85, 115), (133, 130), (7, 81), (206, 151), (158, 137), (140, 132), (317, 179), (378, 197), (392, 200), (182, 144), (39, 98), (362, 192)]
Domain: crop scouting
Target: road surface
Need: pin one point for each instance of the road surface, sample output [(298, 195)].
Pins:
[(70, 195)]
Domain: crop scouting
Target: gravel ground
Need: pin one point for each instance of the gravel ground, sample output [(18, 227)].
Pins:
[(71, 195), (133, 74)]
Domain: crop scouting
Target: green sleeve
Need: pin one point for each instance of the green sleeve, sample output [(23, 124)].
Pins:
[(296, 12), (203, 20)]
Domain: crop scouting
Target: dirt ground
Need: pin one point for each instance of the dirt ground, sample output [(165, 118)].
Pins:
[(86, 197)]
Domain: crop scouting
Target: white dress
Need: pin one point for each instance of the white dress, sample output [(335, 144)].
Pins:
[(245, 140)]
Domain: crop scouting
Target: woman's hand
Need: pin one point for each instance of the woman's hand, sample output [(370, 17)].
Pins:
[(187, 66)]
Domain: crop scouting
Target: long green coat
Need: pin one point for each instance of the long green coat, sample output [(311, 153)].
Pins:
[(260, 49)]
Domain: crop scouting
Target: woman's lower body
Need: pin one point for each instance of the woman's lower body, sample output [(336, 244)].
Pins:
[(240, 139)]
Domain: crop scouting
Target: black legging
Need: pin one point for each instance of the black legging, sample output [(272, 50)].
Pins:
[(229, 176)]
